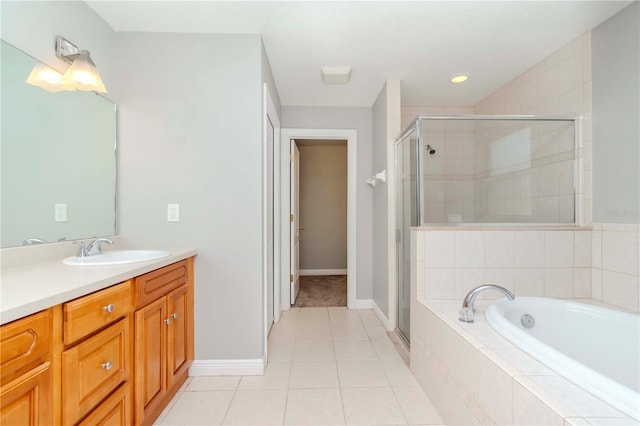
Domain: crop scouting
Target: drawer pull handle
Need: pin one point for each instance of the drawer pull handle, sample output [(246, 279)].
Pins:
[(167, 321), (174, 315), (107, 365), (109, 308)]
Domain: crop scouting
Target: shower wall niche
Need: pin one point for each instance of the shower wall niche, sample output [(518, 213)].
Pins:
[(497, 169)]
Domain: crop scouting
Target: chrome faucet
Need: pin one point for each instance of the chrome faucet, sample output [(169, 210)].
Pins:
[(94, 246), (466, 313), (31, 241)]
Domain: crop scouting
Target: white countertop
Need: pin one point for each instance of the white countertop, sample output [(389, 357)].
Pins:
[(28, 289)]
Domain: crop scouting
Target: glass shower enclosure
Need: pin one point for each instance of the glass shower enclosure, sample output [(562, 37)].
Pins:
[(481, 170)]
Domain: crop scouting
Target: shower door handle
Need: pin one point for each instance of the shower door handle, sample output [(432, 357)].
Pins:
[(300, 228)]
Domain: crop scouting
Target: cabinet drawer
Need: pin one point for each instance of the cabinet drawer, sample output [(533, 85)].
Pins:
[(151, 286), (94, 311), (114, 411), (92, 369), (25, 344)]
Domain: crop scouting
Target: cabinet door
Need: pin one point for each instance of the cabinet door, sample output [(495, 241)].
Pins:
[(178, 341), (150, 355), (27, 400)]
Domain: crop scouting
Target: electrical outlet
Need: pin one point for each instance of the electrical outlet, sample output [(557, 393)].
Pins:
[(173, 212)]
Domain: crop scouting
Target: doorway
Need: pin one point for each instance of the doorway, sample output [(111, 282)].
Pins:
[(289, 225), (320, 178)]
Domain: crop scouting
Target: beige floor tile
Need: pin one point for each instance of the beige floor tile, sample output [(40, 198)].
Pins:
[(314, 407), (385, 349), (209, 383), (354, 349), (417, 408), (276, 376), (313, 350), (368, 317), (349, 331), (313, 332), (313, 316), (361, 373), (281, 349), (398, 373), (199, 408), (376, 332), (282, 332), (343, 315), (257, 407), (323, 374), (371, 406)]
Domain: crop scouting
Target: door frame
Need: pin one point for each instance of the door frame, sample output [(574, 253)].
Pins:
[(270, 113), (351, 136)]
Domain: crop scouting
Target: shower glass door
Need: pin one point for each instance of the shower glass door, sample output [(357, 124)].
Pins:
[(407, 216)]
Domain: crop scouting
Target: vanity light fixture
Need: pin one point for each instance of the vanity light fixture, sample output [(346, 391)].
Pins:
[(47, 78), (82, 74), (459, 78)]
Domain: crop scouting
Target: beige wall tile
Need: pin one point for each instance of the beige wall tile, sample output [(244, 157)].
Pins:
[(497, 392), (529, 410)]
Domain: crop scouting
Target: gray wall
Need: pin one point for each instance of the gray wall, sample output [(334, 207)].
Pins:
[(616, 111), (380, 217), (323, 205), (347, 118), (190, 133)]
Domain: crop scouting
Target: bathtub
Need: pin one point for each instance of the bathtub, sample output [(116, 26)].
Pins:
[(596, 348)]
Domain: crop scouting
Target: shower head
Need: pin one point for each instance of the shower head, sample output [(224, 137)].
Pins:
[(430, 149)]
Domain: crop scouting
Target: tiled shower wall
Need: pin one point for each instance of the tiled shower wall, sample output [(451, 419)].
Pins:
[(529, 262), (616, 255), (560, 85)]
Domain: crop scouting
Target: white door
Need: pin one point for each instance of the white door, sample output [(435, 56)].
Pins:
[(295, 229)]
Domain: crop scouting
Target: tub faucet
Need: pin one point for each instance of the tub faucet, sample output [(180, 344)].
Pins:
[(466, 313)]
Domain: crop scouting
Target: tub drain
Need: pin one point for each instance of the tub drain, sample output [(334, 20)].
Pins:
[(528, 321)]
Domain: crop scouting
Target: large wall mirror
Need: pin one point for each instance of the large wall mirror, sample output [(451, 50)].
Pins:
[(57, 159)]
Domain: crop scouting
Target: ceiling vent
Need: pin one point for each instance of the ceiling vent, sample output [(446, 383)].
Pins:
[(336, 75)]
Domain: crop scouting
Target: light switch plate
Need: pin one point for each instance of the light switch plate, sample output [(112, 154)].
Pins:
[(60, 212), (173, 212)]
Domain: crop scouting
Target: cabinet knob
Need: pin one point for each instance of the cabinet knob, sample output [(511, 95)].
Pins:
[(107, 365), (174, 315), (167, 321), (109, 308)]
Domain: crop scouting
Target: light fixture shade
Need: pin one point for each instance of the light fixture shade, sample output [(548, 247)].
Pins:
[(83, 75), (47, 78)]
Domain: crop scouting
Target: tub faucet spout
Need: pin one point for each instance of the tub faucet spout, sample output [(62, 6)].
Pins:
[(466, 313)]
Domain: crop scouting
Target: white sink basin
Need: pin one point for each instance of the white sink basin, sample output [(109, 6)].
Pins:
[(116, 257)]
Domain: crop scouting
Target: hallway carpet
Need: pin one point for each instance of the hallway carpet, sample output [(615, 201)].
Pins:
[(322, 291)]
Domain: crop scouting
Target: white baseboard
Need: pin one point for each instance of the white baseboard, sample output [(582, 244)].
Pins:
[(323, 272), (362, 304), (383, 319), (227, 367)]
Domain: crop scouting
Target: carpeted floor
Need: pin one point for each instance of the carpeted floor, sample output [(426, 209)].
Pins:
[(322, 291)]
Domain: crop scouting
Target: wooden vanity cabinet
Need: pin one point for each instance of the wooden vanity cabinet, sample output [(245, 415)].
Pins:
[(26, 380), (163, 342), (113, 357)]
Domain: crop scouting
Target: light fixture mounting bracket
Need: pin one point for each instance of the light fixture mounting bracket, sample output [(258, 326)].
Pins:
[(65, 49)]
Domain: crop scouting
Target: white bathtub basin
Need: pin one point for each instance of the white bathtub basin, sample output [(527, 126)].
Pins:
[(116, 257), (596, 348)]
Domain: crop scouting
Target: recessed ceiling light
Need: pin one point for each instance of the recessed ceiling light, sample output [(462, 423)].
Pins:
[(336, 75), (459, 78)]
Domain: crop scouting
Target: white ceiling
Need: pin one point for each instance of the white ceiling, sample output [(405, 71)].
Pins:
[(421, 43)]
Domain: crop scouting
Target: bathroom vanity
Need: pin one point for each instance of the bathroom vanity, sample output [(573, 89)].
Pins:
[(95, 345)]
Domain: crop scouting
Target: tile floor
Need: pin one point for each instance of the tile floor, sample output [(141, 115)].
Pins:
[(327, 366)]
